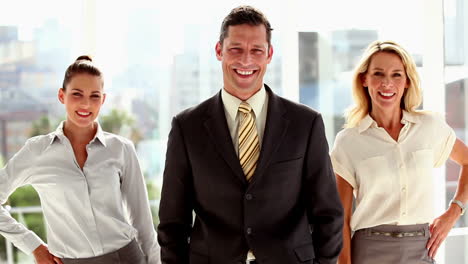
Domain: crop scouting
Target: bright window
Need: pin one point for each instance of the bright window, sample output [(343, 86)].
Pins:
[(158, 59)]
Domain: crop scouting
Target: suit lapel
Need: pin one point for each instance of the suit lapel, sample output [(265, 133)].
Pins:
[(217, 129), (275, 130)]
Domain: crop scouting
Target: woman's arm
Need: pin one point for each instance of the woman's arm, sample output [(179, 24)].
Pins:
[(459, 154), (345, 191), (42, 256), (135, 199), (14, 175), (442, 225)]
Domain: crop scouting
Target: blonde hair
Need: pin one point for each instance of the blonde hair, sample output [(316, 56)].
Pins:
[(412, 97)]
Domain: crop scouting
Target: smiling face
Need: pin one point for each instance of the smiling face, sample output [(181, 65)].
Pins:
[(83, 97), (386, 81), (244, 54)]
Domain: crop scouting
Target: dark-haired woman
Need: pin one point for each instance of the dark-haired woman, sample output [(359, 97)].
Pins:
[(92, 191)]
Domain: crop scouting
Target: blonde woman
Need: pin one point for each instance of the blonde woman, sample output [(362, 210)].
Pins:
[(385, 156)]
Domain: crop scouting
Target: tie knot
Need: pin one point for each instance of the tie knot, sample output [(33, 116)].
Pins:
[(245, 108)]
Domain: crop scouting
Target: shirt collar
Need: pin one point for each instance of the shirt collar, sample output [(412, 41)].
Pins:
[(58, 134), (365, 123), (368, 122), (410, 117), (231, 103), (100, 135)]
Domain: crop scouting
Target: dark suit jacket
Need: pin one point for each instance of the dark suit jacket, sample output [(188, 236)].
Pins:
[(290, 212)]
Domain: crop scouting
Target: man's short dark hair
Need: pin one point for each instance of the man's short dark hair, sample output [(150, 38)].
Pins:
[(245, 15)]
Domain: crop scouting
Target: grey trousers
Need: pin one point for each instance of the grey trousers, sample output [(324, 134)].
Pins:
[(384, 244), (130, 254)]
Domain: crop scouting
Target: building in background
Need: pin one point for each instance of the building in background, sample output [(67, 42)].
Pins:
[(18, 107)]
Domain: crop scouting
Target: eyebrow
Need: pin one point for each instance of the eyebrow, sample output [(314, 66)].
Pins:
[(93, 92), (236, 44), (259, 46), (380, 69)]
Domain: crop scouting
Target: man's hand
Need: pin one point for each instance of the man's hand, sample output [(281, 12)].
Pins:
[(440, 228), (43, 256)]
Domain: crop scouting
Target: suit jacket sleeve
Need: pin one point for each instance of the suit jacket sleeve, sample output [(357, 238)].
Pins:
[(175, 211), (324, 209)]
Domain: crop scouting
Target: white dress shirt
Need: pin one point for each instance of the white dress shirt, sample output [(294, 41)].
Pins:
[(392, 180), (259, 104), (90, 211)]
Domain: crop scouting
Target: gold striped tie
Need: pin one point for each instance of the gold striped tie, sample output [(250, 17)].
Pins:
[(249, 148)]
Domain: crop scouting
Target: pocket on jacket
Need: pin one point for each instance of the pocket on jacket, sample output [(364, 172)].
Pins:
[(305, 253), (196, 258), (286, 164)]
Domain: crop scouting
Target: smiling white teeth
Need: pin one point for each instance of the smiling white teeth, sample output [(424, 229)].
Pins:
[(84, 113), (387, 94), (244, 72)]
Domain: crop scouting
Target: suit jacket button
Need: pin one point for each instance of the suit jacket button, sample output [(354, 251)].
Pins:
[(248, 197), (249, 230)]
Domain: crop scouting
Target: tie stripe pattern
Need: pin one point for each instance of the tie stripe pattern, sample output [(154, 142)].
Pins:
[(249, 148)]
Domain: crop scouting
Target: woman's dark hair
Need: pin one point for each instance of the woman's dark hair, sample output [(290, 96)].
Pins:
[(83, 64)]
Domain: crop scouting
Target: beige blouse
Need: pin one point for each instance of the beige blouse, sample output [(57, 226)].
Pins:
[(392, 180)]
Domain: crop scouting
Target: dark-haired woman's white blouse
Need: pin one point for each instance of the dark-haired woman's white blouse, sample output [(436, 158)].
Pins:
[(88, 212)]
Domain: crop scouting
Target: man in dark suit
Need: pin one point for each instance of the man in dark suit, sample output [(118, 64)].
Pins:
[(254, 168)]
